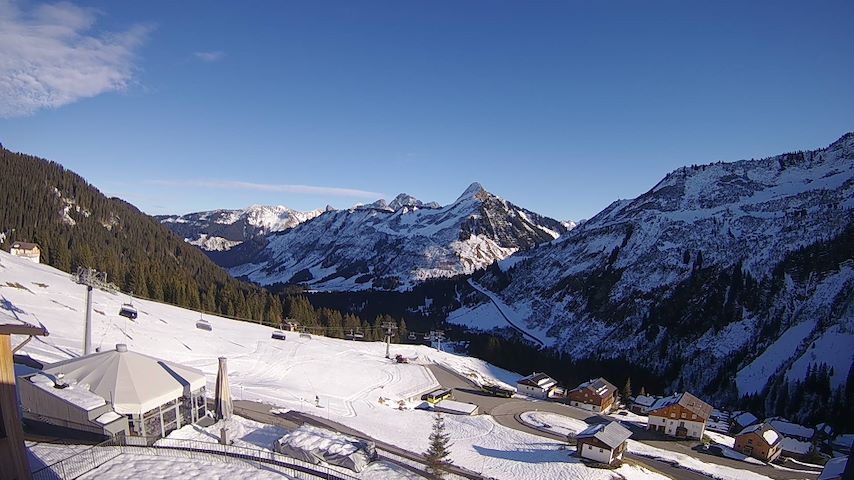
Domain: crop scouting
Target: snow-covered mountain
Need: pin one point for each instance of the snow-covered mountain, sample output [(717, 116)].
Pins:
[(394, 245), (220, 230), (744, 267)]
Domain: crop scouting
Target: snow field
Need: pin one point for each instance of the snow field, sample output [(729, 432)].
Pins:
[(348, 377)]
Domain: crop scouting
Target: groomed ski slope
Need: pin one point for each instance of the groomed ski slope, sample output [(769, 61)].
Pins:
[(349, 378)]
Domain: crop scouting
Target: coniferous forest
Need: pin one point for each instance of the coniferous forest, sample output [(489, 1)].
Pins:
[(76, 225)]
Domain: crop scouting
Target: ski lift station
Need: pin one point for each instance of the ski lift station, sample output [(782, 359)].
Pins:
[(114, 392)]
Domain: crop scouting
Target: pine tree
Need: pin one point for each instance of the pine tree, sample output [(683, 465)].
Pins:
[(402, 331), (627, 389), (437, 454)]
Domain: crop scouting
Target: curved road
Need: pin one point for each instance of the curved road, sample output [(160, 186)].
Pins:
[(506, 412), (500, 309)]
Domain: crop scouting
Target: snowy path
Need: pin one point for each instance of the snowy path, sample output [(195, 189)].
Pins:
[(502, 309)]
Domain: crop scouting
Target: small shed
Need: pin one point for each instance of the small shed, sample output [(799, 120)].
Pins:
[(760, 441), (454, 407), (603, 443), (30, 251)]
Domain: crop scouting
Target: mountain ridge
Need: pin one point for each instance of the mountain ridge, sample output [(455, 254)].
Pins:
[(377, 246), (707, 264)]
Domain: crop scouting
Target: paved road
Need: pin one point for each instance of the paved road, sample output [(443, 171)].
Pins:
[(500, 309), (507, 410)]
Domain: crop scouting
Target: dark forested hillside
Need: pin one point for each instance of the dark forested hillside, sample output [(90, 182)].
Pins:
[(76, 225)]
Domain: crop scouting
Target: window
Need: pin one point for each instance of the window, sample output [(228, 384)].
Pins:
[(750, 441), (589, 447), (684, 416), (693, 416), (672, 415), (600, 450)]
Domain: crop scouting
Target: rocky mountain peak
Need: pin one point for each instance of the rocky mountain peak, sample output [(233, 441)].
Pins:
[(473, 191)]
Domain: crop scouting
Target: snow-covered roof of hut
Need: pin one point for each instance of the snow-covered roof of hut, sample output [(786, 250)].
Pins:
[(134, 383)]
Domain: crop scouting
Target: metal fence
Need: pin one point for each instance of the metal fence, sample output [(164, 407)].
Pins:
[(79, 463), (96, 456)]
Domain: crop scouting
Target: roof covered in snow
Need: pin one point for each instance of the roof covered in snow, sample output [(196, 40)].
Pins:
[(612, 434), (745, 419), (686, 400), (790, 429), (540, 380), (644, 400), (134, 383), (764, 430), (75, 394), (834, 469), (601, 387)]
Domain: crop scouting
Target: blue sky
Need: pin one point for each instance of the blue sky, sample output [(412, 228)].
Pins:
[(560, 107)]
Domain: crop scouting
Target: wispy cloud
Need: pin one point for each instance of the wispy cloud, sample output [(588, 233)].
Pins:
[(213, 56), (268, 187), (50, 58)]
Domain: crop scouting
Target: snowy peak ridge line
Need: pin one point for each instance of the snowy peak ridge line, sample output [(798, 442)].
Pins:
[(396, 245), (220, 230), (714, 262)]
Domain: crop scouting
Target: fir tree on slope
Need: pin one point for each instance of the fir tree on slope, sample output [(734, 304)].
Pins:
[(437, 454)]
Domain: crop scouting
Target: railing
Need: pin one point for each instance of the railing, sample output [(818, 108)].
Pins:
[(79, 463), (92, 458)]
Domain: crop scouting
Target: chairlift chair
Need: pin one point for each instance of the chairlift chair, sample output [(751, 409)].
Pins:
[(128, 311), (426, 336), (278, 335), (412, 336), (358, 335), (203, 324)]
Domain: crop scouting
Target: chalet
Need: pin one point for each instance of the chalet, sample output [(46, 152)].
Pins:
[(603, 443), (290, 325), (115, 392), (680, 415), (13, 456), (760, 441), (597, 395), (538, 385), (30, 251), (641, 404)]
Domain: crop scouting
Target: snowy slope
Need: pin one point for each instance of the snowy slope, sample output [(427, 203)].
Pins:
[(711, 263), (395, 245), (220, 230), (361, 391)]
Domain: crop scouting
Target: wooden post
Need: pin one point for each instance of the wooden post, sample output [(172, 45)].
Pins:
[(13, 456)]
